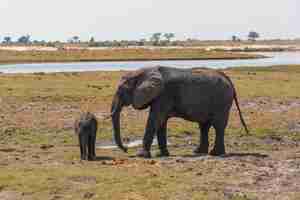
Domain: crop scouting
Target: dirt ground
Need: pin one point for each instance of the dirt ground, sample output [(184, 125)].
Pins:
[(39, 155)]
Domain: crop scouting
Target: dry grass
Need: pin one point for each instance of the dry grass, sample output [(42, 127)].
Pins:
[(37, 111), (116, 55)]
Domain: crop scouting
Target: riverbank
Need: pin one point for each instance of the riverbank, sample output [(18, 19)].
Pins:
[(38, 145), (126, 54)]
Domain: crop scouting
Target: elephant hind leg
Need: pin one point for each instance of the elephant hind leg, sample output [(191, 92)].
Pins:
[(204, 143), (219, 125), (219, 147)]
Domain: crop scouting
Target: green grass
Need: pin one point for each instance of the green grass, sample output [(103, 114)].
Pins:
[(114, 182), (275, 68), (276, 82), (94, 91), (32, 108), (58, 87)]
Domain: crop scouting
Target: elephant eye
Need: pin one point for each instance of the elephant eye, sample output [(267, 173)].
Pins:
[(131, 83), (126, 86)]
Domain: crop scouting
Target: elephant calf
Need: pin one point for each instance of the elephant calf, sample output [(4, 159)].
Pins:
[(86, 129)]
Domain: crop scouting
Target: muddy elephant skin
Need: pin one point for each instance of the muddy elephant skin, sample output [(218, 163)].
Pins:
[(199, 95)]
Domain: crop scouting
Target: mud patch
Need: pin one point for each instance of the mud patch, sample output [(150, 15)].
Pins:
[(10, 195), (89, 180), (130, 144)]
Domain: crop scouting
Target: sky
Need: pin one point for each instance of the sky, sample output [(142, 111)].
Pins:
[(137, 19)]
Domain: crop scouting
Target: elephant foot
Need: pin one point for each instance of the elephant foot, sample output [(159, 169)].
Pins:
[(163, 153), (201, 150), (143, 153), (83, 158), (92, 158), (217, 152)]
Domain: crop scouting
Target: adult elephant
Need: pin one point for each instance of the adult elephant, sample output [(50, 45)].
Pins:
[(200, 95)]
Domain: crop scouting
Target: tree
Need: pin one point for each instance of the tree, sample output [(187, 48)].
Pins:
[(36, 42), (252, 36), (142, 42), (7, 40), (169, 36), (92, 40), (25, 39), (76, 39), (156, 38), (234, 38)]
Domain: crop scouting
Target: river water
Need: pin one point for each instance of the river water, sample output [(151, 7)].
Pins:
[(275, 58)]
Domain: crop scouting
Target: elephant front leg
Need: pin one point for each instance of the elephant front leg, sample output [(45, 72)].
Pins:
[(220, 124), (91, 148), (162, 141), (157, 123), (83, 145), (148, 137)]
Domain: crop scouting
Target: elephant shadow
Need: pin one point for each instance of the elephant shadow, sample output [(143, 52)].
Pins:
[(103, 158), (229, 155), (257, 155)]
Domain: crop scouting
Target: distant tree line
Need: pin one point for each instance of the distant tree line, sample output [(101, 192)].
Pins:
[(156, 39), (26, 40)]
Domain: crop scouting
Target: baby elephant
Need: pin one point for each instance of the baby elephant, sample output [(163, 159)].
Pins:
[(86, 129)]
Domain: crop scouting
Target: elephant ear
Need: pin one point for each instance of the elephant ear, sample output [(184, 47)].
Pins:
[(148, 88)]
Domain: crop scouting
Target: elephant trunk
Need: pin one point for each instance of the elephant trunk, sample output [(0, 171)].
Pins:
[(116, 110)]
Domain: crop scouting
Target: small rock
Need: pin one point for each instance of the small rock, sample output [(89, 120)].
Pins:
[(199, 174), (189, 169), (180, 161), (46, 146), (55, 197), (88, 195), (243, 165), (152, 162), (35, 156)]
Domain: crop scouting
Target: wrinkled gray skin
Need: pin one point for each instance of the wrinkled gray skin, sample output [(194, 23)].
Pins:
[(86, 129), (199, 95)]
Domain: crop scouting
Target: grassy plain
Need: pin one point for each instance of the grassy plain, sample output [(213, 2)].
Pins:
[(116, 55), (39, 156)]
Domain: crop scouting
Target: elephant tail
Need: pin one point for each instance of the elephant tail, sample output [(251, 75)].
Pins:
[(236, 102), (240, 112)]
